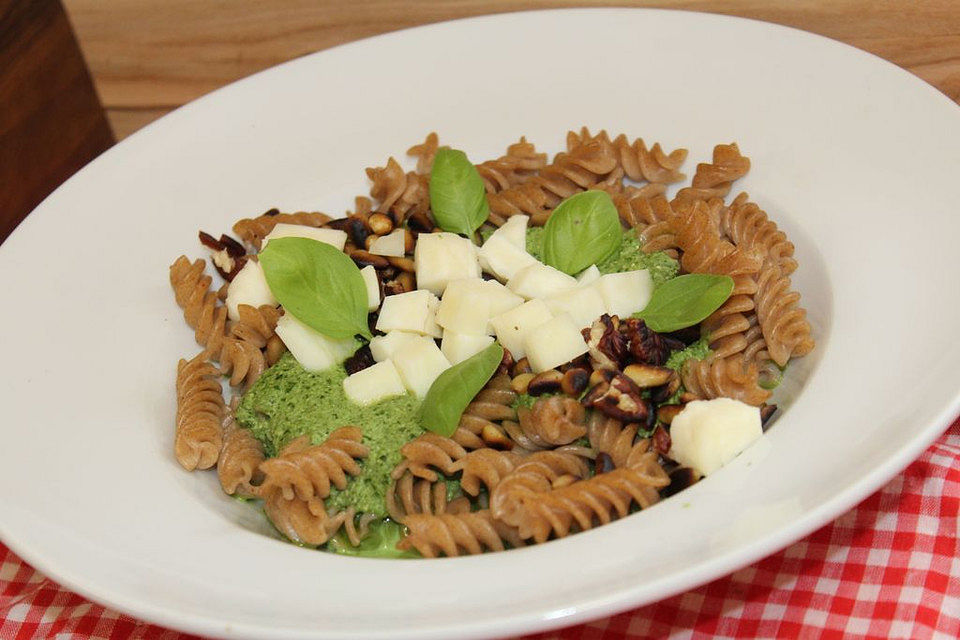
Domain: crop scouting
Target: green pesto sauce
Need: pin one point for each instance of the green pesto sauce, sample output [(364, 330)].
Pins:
[(381, 542), (696, 351), (288, 401), (628, 256)]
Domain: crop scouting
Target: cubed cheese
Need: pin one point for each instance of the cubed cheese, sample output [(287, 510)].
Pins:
[(514, 230), (383, 347), (514, 325), (555, 342), (373, 287), (583, 305), (625, 293), (313, 350), (442, 257), (464, 308), (460, 346), (250, 287), (588, 276), (430, 327), (540, 281), (333, 237), (391, 244), (419, 364), (501, 258), (708, 434), (411, 311), (373, 384)]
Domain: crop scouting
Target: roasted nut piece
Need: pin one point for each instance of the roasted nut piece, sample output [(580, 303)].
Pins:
[(506, 364), (603, 463), (369, 241), (665, 392), (404, 264), (643, 344), (646, 375), (357, 230), (667, 412), (522, 366), (686, 397), (359, 360), (766, 412), (601, 375), (380, 224), (495, 438), (575, 381), (680, 479), (365, 258), (408, 243), (521, 382), (228, 257), (607, 345), (619, 399), (420, 222), (661, 441), (548, 381)]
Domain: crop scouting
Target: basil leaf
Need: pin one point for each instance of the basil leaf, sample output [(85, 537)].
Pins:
[(318, 284), (685, 301), (458, 199), (453, 390), (583, 230)]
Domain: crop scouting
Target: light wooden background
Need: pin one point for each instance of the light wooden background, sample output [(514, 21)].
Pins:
[(148, 57)]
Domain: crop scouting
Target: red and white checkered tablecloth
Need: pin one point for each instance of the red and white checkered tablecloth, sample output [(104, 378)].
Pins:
[(889, 568)]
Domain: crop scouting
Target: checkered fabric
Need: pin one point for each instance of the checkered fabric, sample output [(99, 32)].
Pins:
[(889, 568)]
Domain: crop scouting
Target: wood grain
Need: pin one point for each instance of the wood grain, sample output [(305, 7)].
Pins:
[(149, 57), (43, 85)]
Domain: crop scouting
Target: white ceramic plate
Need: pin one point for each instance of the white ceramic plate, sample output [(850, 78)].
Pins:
[(856, 159)]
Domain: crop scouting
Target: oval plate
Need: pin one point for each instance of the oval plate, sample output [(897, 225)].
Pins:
[(855, 158)]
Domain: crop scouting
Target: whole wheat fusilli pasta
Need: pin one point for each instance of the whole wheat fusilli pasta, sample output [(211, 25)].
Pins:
[(200, 409)]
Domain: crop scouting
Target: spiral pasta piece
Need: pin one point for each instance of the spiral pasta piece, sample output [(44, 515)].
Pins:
[(308, 522), (527, 198), (200, 410), (410, 495), (255, 325), (550, 422), (786, 331), (201, 307), (243, 361), (484, 468), (639, 163), (425, 153), (731, 377), (253, 230), (238, 467), (307, 472), (426, 454), (453, 535), (516, 166), (612, 437), (399, 193), (490, 407), (638, 207), (715, 179), (537, 474), (747, 225)]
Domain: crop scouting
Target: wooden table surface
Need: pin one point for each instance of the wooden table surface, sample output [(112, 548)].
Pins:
[(149, 57)]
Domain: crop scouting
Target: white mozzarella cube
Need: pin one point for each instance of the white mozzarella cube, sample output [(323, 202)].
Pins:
[(333, 237), (583, 305), (554, 343), (392, 244), (430, 327), (464, 308), (411, 311), (514, 230), (420, 363), (500, 257), (625, 293), (373, 384), (372, 282), (313, 350), (540, 281), (514, 325), (708, 434), (588, 276), (250, 287), (442, 257), (460, 346), (383, 347)]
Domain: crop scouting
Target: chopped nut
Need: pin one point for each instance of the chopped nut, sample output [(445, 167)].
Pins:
[(420, 222), (607, 346), (380, 224), (408, 243), (601, 375), (603, 463), (359, 361), (506, 363), (575, 381), (766, 412), (667, 412), (686, 397), (522, 366), (521, 382), (619, 399), (661, 441), (548, 381), (369, 241), (644, 344), (357, 230), (646, 375), (680, 479), (365, 258), (404, 264), (665, 392), (496, 438), (272, 212)]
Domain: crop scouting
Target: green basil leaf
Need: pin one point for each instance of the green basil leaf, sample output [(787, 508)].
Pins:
[(458, 199), (685, 301), (453, 390), (318, 284), (583, 230)]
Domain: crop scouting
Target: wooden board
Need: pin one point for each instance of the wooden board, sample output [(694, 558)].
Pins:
[(149, 57)]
